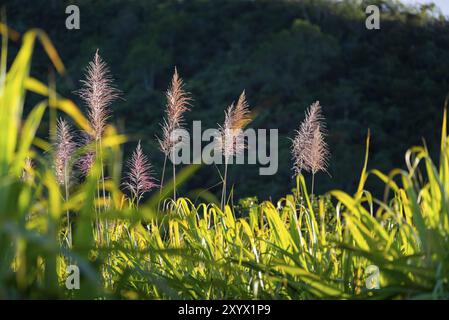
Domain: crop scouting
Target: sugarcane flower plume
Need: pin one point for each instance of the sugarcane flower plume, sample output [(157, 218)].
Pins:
[(98, 92), (65, 146), (237, 117), (139, 178), (302, 143), (178, 102)]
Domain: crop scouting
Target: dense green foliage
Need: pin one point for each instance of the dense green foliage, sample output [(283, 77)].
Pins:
[(286, 54)]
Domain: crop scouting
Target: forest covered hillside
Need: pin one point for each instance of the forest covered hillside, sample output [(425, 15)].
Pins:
[(285, 54)]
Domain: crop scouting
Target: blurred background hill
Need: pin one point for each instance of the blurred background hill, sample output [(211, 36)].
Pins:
[(285, 54)]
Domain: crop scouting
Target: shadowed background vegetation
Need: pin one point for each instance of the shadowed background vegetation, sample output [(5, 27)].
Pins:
[(286, 54)]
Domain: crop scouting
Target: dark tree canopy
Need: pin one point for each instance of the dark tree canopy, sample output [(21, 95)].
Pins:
[(285, 54)]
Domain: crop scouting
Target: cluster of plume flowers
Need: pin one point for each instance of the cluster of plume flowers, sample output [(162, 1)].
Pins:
[(98, 92), (230, 140), (309, 150)]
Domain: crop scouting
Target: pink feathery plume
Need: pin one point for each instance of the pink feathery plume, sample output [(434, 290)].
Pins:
[(178, 102), (64, 149), (302, 143), (98, 92), (139, 179), (236, 118)]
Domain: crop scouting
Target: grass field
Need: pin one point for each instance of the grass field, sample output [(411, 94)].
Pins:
[(166, 247)]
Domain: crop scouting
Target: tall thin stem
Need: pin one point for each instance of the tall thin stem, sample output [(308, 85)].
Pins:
[(174, 179), (223, 192), (313, 183), (69, 227), (97, 207), (102, 171), (163, 175), (103, 187)]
